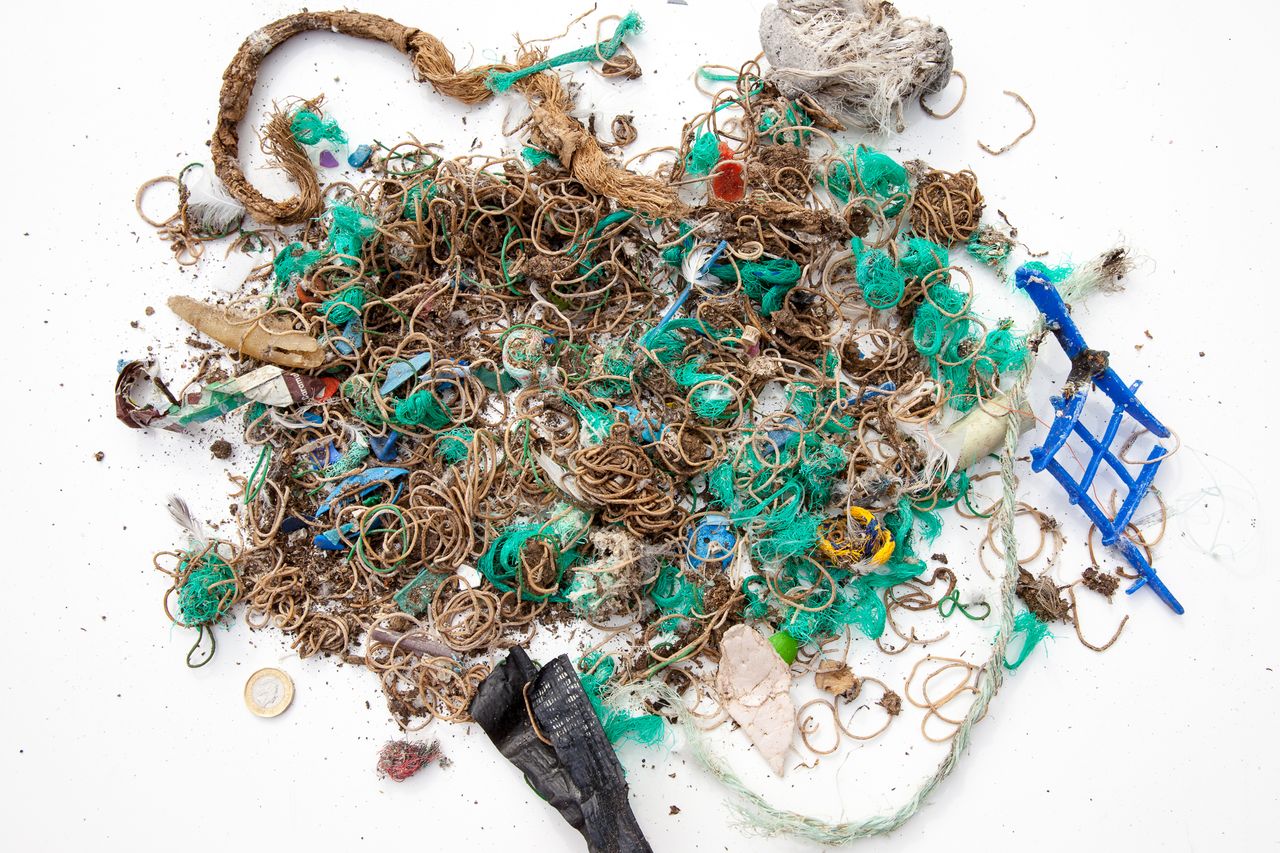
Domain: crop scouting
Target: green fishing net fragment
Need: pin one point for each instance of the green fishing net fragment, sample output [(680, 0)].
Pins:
[(794, 117), (985, 247), (309, 128), (595, 422), (455, 444), (619, 724), (923, 257), (501, 565), (1056, 275), (819, 470), (674, 593), (535, 157), (720, 485), (881, 282), (423, 408), (767, 281), (359, 394), (704, 154), (350, 459), (415, 597), (710, 400), (348, 231), (867, 172), (855, 604), (756, 590), (293, 262), (780, 541), (207, 591), (345, 305), (417, 197)]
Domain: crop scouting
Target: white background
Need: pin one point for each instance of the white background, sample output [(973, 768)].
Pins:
[(1156, 125)]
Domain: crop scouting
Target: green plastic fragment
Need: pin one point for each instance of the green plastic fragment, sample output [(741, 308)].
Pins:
[(786, 646), (309, 128), (415, 597)]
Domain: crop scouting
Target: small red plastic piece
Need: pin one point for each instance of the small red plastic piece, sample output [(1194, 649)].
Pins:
[(727, 180)]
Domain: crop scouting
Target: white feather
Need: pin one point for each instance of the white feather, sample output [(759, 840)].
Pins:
[(181, 513), (693, 264), (211, 206)]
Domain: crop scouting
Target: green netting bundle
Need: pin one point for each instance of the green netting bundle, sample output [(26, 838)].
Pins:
[(423, 408), (309, 128), (455, 444), (619, 724), (720, 485), (345, 305), (922, 258), (1055, 275), (673, 593), (704, 154), (856, 603), (793, 116), (207, 590), (595, 422), (357, 451), (808, 403), (358, 393), (958, 357), (710, 401), (782, 540), (348, 231), (617, 363), (909, 525), (988, 246), (756, 590), (821, 465), (767, 281), (501, 563), (417, 198), (882, 284), (1002, 352), (293, 262), (867, 172), (928, 330)]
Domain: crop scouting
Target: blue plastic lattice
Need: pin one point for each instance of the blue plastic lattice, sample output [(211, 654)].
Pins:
[(1066, 422)]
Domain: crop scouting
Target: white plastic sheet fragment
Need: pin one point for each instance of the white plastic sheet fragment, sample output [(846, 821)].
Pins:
[(754, 684)]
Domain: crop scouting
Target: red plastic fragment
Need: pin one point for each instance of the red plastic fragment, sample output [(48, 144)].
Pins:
[(727, 181)]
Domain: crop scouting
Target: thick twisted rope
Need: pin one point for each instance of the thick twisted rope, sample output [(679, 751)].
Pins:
[(552, 127)]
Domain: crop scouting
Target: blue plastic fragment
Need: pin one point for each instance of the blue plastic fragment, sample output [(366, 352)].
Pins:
[(353, 332), (344, 491), (711, 540), (331, 540), (402, 371), (341, 538), (651, 429), (781, 436), (359, 158), (385, 448), (1066, 423), (291, 524), (872, 391)]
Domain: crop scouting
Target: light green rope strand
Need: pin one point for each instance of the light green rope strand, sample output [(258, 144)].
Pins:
[(501, 81)]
